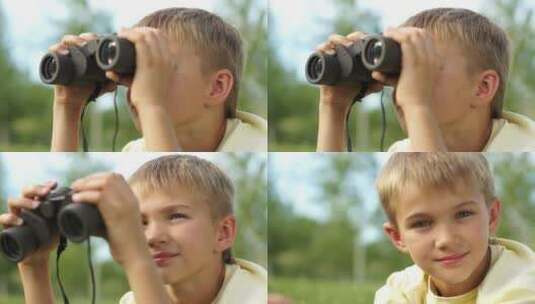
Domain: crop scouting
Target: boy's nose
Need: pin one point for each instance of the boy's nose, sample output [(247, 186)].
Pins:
[(156, 234), (446, 237)]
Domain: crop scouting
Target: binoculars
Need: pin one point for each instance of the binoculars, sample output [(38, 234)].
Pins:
[(355, 63), (87, 64), (56, 213)]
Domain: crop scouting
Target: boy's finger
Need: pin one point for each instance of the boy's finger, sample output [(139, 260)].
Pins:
[(36, 190), (356, 36), (73, 40), (339, 39), (15, 204), (9, 219), (88, 36), (89, 197)]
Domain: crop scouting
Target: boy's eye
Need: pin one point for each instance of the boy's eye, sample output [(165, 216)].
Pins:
[(177, 216), (464, 213), (420, 224)]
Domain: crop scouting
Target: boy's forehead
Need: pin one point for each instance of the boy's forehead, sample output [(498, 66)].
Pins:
[(154, 198), (422, 196)]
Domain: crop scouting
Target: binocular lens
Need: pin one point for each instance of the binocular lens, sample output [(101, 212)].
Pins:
[(10, 247), (49, 67), (315, 67), (374, 51), (108, 51)]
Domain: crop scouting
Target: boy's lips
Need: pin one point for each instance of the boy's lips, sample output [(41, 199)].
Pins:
[(162, 258), (451, 260)]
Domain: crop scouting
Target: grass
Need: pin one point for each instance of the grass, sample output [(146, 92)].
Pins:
[(20, 300), (310, 291)]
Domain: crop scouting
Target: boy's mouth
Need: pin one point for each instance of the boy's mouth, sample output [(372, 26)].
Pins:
[(452, 260), (162, 258)]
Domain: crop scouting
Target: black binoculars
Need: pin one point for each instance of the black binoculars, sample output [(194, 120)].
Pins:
[(87, 64), (56, 213), (353, 64)]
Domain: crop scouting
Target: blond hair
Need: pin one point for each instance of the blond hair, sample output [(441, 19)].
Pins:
[(435, 170), (199, 175), (486, 44), (218, 43)]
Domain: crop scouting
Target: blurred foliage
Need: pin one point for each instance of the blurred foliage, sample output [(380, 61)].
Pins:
[(293, 103), (26, 106), (306, 250), (307, 291)]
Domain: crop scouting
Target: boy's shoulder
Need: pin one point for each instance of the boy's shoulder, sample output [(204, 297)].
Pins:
[(245, 282), (511, 133), (409, 284), (512, 273), (245, 133)]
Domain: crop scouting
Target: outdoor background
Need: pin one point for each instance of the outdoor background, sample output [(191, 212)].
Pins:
[(247, 171), (296, 27), (326, 243), (29, 27)]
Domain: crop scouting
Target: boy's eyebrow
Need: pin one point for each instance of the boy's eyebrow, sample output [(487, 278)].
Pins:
[(423, 214), (170, 207)]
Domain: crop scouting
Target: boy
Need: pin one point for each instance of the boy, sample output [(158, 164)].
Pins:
[(450, 93), (184, 93), (179, 252), (442, 210)]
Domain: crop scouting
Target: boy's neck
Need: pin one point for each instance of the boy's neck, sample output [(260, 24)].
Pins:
[(471, 134), (477, 276), (202, 288), (203, 134)]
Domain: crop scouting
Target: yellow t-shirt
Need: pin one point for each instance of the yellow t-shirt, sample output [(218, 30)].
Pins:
[(245, 133), (510, 279), (245, 283), (511, 133)]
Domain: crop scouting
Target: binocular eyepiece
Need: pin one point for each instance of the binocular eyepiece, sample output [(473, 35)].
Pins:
[(88, 63), (57, 213), (354, 64)]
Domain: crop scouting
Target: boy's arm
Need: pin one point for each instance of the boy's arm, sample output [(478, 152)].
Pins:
[(36, 283), (65, 128), (149, 92), (414, 90)]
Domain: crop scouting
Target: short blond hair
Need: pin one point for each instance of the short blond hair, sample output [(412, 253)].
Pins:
[(432, 169), (485, 43), (202, 177), (218, 43)]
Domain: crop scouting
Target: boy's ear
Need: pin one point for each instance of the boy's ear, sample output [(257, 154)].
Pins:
[(494, 216), (225, 233), (487, 86), (221, 84), (393, 234)]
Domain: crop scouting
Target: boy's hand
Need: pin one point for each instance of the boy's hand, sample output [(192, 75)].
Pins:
[(414, 89), (420, 66), (120, 211), (30, 199), (154, 67), (341, 96), (75, 96)]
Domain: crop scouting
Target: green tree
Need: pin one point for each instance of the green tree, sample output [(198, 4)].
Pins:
[(250, 18)]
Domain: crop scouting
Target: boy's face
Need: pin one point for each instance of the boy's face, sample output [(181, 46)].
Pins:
[(188, 90), (181, 233), (454, 89), (445, 231)]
